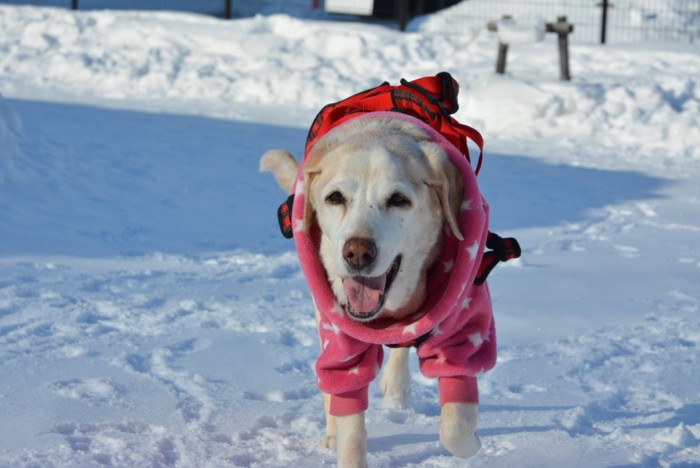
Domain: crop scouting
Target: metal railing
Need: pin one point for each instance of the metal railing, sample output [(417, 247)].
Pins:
[(218, 8)]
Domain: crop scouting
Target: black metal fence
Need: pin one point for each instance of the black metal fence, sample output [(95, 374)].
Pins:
[(612, 21), (219, 8)]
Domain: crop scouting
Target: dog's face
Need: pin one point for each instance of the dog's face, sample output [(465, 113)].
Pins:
[(381, 192)]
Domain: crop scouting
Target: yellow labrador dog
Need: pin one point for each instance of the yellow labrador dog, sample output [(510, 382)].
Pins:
[(380, 198)]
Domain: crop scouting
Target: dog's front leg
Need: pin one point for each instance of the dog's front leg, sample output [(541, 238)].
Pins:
[(396, 379), (351, 439), (458, 429), (330, 441), (347, 435), (330, 423)]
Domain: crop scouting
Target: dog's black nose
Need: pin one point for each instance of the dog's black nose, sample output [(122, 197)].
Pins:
[(360, 253)]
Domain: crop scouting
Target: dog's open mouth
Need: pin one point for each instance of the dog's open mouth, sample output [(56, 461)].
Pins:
[(366, 294)]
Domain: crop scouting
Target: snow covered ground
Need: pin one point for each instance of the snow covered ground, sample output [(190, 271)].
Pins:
[(152, 315)]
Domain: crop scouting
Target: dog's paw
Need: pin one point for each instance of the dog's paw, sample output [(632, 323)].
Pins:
[(458, 429), (353, 459), (462, 446)]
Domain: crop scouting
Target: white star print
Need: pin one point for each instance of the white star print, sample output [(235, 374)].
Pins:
[(467, 302), (300, 187), (331, 327), (410, 329), (298, 225), (466, 205), (436, 331), (349, 358), (355, 370), (473, 250), (476, 339), (326, 343), (449, 266)]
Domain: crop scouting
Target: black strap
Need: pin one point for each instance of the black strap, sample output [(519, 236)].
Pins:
[(284, 217), (502, 250), (416, 342)]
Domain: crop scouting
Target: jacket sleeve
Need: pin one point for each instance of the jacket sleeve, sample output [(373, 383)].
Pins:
[(461, 348), (345, 369)]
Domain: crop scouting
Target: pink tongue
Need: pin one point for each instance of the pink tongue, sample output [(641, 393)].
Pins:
[(363, 293)]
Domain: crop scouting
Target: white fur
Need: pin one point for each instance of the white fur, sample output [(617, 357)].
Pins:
[(368, 161), (282, 165), (396, 379), (351, 441)]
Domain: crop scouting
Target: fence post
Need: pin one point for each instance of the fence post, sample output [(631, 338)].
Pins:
[(228, 9), (604, 20), (501, 59), (563, 31), (562, 28), (74, 4), (502, 46), (404, 7)]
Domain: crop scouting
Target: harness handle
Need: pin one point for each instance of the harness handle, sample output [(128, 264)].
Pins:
[(502, 250), (431, 99)]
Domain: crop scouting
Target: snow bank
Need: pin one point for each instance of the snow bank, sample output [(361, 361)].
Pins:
[(251, 68)]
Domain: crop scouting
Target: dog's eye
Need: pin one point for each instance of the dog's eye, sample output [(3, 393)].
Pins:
[(335, 198), (398, 200)]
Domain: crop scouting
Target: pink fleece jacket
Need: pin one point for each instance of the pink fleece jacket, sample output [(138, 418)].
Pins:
[(456, 318)]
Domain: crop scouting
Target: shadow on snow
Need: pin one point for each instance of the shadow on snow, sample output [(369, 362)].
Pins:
[(89, 181)]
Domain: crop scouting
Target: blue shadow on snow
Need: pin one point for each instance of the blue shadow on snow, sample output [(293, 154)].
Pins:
[(90, 181)]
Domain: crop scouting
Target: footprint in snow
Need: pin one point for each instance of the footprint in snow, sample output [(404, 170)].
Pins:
[(281, 396), (93, 391)]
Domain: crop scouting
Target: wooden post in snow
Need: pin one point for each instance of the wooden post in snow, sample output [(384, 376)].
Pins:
[(501, 59), (502, 47), (513, 32), (562, 28)]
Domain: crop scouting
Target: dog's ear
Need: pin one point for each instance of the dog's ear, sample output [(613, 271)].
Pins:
[(447, 182), (283, 166), (312, 168), (310, 174)]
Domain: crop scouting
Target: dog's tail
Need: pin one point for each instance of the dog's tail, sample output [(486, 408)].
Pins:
[(283, 166)]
